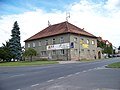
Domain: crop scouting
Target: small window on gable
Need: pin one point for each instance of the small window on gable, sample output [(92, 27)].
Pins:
[(28, 45), (33, 44), (39, 43)]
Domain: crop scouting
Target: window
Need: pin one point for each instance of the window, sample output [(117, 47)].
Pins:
[(82, 41), (75, 39), (53, 40), (43, 53), (93, 42), (39, 43), (88, 50), (82, 50), (46, 42), (62, 52), (88, 42), (33, 44), (61, 40), (28, 45), (54, 52)]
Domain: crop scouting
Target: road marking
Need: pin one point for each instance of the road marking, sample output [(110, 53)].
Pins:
[(16, 75), (77, 73), (34, 85), (69, 75), (50, 80), (61, 77), (90, 69), (18, 89), (84, 71)]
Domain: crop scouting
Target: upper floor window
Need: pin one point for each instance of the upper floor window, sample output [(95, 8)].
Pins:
[(28, 45), (82, 41), (46, 42), (53, 40), (75, 39), (61, 39), (88, 41), (33, 44), (93, 42), (39, 43)]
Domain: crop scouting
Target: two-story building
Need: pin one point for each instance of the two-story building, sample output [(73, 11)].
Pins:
[(64, 41)]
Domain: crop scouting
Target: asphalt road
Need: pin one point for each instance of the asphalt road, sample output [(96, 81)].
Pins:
[(78, 76)]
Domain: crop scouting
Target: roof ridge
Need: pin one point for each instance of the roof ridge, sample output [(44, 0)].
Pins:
[(59, 28), (67, 26)]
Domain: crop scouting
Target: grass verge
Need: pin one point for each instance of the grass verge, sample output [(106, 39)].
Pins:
[(27, 63), (114, 65)]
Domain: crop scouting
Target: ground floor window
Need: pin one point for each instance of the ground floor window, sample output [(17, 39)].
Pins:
[(43, 53), (54, 52), (62, 52)]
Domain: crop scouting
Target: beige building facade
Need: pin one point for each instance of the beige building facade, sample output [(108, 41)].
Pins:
[(64, 41)]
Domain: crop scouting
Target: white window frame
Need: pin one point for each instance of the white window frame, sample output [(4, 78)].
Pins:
[(88, 41), (54, 52), (93, 42), (39, 43), (46, 42), (62, 51), (28, 45), (33, 44), (61, 39), (53, 40), (43, 53)]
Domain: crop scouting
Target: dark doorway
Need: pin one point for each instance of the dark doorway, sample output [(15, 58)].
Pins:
[(99, 55)]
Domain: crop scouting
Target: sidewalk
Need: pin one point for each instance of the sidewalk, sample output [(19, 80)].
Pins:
[(67, 62)]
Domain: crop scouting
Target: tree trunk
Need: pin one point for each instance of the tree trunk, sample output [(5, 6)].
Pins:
[(31, 58)]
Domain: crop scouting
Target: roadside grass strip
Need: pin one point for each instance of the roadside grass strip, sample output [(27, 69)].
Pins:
[(114, 65), (27, 63)]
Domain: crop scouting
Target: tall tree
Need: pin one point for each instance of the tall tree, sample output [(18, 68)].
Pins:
[(15, 45)]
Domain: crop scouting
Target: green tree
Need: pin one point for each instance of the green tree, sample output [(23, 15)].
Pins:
[(30, 52), (5, 53), (106, 48), (15, 45)]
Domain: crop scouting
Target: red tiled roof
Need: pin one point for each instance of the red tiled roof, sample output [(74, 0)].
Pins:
[(60, 28)]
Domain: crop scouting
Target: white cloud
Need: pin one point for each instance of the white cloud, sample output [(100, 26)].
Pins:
[(112, 4), (29, 22), (84, 14)]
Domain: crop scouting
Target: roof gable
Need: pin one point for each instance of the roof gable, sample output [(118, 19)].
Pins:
[(60, 28)]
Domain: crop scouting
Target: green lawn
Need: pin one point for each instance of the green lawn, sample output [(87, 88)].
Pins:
[(114, 65), (27, 63)]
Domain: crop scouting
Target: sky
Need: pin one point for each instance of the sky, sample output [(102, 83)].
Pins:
[(99, 17)]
